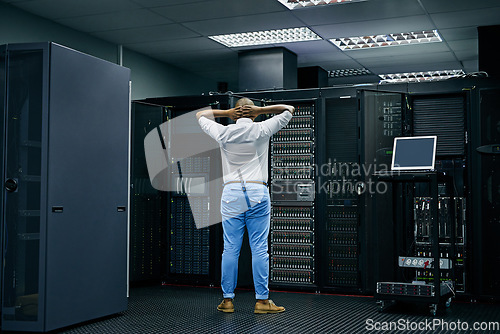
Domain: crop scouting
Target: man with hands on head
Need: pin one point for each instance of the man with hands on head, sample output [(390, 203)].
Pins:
[(245, 201)]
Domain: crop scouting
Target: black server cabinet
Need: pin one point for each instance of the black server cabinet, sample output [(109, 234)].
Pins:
[(341, 247), (64, 221), (485, 173), (380, 120)]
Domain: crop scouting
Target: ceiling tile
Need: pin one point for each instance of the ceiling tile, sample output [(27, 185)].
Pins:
[(358, 12), (57, 9), (464, 55), (146, 34), (417, 60), (218, 9), (455, 34), (471, 65), (177, 45), (196, 57), (310, 47), (439, 6), (250, 23), (162, 3), (469, 18), (118, 20), (333, 64), (466, 44), (323, 57)]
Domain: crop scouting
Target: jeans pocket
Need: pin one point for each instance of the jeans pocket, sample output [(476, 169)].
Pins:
[(227, 199), (257, 196), (232, 205), (259, 203)]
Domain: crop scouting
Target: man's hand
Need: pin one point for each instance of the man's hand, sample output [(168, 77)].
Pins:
[(250, 111), (234, 113)]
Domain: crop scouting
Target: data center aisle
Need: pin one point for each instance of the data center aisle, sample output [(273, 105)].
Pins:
[(174, 309)]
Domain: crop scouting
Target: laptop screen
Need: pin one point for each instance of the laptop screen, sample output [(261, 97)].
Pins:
[(414, 153)]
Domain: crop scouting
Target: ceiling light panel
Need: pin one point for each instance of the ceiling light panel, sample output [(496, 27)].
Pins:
[(378, 41), (266, 37), (297, 4), (421, 76), (349, 72)]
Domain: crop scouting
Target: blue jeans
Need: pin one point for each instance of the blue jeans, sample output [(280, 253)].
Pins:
[(253, 210)]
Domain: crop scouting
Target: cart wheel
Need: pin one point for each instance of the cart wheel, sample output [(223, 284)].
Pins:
[(381, 305), (433, 309), (448, 303)]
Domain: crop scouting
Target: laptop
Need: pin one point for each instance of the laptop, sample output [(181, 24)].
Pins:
[(414, 154)]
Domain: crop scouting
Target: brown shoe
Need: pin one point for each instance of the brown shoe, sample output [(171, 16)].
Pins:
[(268, 307), (226, 306)]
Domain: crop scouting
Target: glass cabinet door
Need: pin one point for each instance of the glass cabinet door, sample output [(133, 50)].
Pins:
[(22, 186), (3, 86)]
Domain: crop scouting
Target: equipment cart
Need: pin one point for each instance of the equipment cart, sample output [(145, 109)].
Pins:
[(430, 284)]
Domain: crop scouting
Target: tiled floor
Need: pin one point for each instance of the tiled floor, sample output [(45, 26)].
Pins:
[(179, 309)]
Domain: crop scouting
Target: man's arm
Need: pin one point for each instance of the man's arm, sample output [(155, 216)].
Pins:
[(251, 111), (233, 113), (274, 124)]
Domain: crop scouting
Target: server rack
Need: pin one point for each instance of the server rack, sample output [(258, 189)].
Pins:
[(292, 233), (191, 255), (431, 277), (148, 209), (65, 135), (442, 113), (445, 114), (485, 200), (189, 251), (341, 243)]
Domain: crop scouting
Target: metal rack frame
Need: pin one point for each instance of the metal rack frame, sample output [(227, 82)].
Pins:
[(437, 296)]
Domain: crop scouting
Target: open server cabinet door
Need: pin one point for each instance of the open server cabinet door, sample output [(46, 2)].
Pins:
[(192, 238), (3, 86), (381, 119), (88, 190), (66, 188)]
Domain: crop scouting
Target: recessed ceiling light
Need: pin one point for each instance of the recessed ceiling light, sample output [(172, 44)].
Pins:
[(266, 37), (348, 72), (377, 41), (421, 76), (297, 4)]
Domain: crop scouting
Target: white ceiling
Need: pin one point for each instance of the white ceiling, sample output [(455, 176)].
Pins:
[(175, 31)]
